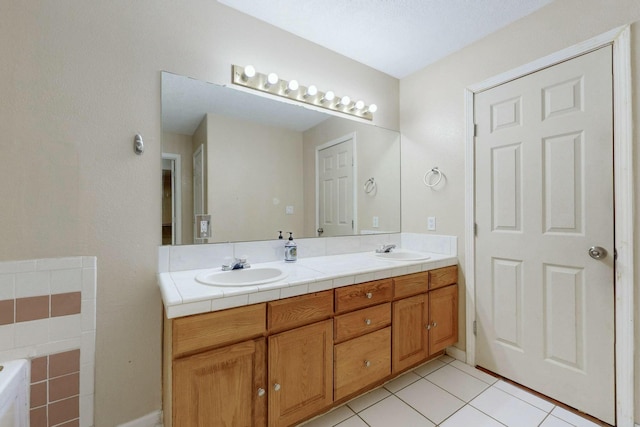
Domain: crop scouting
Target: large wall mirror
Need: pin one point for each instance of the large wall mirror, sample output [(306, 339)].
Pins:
[(258, 166)]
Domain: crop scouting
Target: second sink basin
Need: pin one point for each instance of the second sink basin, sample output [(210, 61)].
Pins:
[(403, 256), (243, 277)]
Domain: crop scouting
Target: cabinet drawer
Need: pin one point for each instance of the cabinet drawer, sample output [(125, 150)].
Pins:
[(354, 324), (409, 285), (361, 362), (203, 331), (443, 277), (298, 311), (363, 295)]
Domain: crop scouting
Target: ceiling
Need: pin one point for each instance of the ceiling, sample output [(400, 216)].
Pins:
[(397, 37)]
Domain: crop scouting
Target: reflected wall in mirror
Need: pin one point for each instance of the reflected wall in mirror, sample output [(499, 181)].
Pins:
[(258, 165)]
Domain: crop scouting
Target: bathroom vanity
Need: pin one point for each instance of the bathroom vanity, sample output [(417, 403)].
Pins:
[(283, 361)]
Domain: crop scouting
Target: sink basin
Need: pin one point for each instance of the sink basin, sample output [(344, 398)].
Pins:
[(403, 256), (244, 277)]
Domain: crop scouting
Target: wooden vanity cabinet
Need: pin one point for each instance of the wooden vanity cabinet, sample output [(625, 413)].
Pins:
[(362, 352), (207, 387), (300, 373), (443, 317), (279, 363), (300, 357), (218, 369), (410, 334), (425, 316)]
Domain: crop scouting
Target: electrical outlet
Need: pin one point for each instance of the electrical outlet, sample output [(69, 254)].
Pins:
[(431, 223), (375, 222)]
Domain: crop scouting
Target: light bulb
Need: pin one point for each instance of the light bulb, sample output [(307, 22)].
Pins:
[(372, 108), (359, 105), (345, 100), (292, 86), (272, 79), (311, 91), (328, 96), (248, 72)]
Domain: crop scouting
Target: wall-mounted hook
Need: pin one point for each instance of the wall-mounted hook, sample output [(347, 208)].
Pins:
[(138, 144)]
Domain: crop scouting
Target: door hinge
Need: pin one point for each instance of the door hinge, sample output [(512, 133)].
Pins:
[(475, 129), (352, 224), (475, 328), (475, 229)]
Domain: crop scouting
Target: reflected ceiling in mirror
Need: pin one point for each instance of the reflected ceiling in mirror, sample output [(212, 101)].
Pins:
[(258, 165)]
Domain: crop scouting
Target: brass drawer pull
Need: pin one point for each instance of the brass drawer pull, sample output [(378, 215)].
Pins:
[(367, 363), (369, 295), (367, 322)]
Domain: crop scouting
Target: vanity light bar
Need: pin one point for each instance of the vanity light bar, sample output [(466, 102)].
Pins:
[(271, 83)]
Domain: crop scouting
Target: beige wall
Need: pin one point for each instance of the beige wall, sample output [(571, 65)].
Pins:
[(432, 107), (254, 172), (183, 145), (378, 155), (78, 80)]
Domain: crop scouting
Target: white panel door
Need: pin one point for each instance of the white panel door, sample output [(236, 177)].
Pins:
[(335, 185), (544, 196)]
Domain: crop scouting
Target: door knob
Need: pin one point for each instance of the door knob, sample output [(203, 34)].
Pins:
[(261, 392), (369, 295), (320, 231), (367, 322), (276, 387), (597, 252)]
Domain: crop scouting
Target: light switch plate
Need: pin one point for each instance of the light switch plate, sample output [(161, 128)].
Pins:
[(431, 223)]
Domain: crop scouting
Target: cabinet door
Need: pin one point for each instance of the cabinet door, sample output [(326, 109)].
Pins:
[(410, 339), (361, 362), (221, 387), (443, 318), (300, 373)]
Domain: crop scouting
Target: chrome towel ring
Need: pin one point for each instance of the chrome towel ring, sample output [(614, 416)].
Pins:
[(427, 176), (369, 185)]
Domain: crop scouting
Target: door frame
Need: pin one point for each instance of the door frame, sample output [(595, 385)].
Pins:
[(354, 168), (620, 39), (176, 199)]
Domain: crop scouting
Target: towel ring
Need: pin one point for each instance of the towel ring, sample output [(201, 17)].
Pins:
[(433, 171), (369, 185)]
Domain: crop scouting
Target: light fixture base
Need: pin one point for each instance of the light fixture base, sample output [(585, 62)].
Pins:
[(259, 82)]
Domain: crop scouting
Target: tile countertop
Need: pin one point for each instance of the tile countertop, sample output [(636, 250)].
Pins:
[(183, 296)]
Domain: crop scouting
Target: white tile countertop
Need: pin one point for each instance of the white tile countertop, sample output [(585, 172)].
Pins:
[(183, 295)]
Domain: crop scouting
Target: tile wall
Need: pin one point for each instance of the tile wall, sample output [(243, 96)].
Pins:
[(48, 315), (193, 257)]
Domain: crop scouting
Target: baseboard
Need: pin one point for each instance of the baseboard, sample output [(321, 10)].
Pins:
[(456, 353), (153, 419)]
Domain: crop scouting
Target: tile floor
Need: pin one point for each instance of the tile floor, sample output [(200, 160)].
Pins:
[(448, 393)]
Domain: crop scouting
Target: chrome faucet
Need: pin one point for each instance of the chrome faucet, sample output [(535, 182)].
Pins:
[(236, 264), (385, 249)]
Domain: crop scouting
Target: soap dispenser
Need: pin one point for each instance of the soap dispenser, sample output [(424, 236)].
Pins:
[(290, 249)]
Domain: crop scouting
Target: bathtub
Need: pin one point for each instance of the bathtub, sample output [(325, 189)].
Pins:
[(14, 393)]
